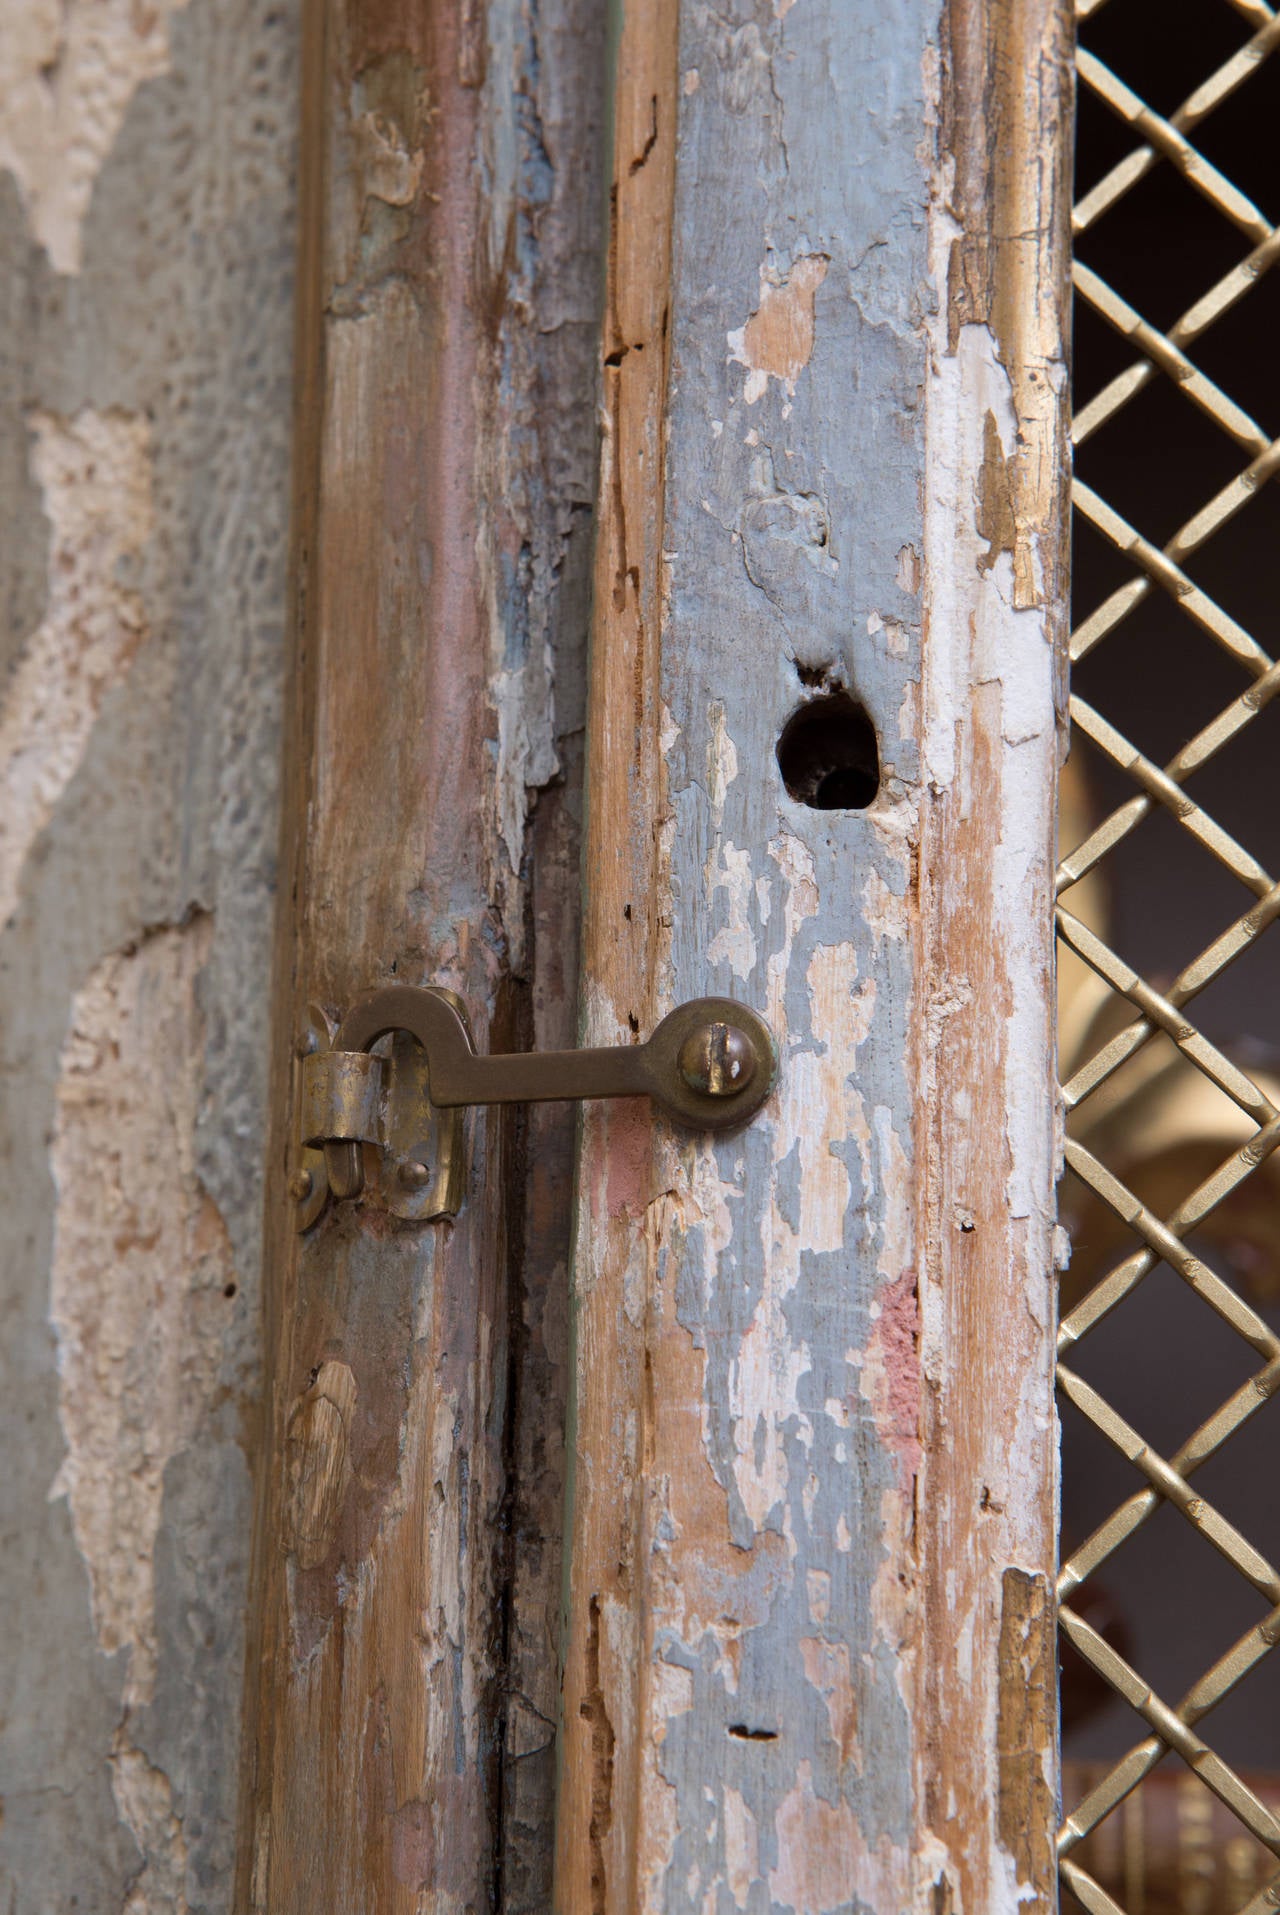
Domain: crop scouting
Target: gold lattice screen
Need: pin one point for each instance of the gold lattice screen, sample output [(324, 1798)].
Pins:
[(1170, 1050)]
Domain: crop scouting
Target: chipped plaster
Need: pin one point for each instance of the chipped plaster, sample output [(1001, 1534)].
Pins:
[(68, 71), (141, 1260), (94, 473), (147, 235)]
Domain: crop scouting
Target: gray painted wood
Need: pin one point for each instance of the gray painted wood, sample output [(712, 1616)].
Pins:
[(774, 1336), (793, 509), (763, 1672)]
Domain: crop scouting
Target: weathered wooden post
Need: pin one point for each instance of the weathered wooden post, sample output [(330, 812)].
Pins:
[(810, 1656), (401, 1682), (808, 1649)]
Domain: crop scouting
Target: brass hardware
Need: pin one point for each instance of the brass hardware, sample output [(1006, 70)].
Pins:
[(308, 1182), (718, 1060), (424, 1163), (1173, 1139), (710, 1064)]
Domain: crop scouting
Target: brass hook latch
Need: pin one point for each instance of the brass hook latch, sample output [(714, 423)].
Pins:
[(710, 1064)]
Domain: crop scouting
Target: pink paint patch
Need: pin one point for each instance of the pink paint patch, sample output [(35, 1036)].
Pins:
[(630, 1135), (894, 1347), (413, 1845)]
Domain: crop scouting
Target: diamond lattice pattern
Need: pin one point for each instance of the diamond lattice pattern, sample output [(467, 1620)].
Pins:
[(1138, 1068)]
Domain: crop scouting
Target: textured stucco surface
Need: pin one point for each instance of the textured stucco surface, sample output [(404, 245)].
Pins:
[(146, 258)]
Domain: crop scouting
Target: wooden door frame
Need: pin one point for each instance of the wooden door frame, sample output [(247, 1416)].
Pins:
[(945, 964), (844, 234), (401, 1680)]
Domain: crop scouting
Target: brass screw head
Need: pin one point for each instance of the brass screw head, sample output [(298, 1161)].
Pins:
[(717, 1059), (414, 1176), (300, 1185)]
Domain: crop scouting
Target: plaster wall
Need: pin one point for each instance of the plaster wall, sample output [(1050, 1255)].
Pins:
[(146, 262)]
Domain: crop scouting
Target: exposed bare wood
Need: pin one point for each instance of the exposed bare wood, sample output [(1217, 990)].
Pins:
[(623, 938), (993, 662), (808, 1668), (550, 462), (434, 519)]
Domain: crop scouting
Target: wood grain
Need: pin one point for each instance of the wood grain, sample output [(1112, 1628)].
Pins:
[(997, 465), (811, 1447), (809, 1661), (444, 460), (623, 938)]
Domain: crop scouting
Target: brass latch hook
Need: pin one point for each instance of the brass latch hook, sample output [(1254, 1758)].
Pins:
[(710, 1064)]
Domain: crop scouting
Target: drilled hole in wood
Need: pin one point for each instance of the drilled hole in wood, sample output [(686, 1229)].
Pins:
[(828, 754)]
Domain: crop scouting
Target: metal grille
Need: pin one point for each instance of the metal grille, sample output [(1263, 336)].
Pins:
[(1170, 1130)]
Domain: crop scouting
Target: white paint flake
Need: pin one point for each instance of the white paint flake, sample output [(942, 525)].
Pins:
[(734, 943), (741, 1847), (722, 762)]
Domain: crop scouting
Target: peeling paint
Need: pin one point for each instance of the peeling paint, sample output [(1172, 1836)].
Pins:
[(68, 71), (94, 472), (790, 1246), (777, 341), (994, 589), (890, 1370), (996, 521), (734, 943), (826, 1669), (741, 1847), (910, 572), (452, 157), (722, 762), (1024, 1738), (824, 1859), (785, 1309)]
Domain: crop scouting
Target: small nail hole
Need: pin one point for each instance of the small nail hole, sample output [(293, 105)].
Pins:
[(828, 754)]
